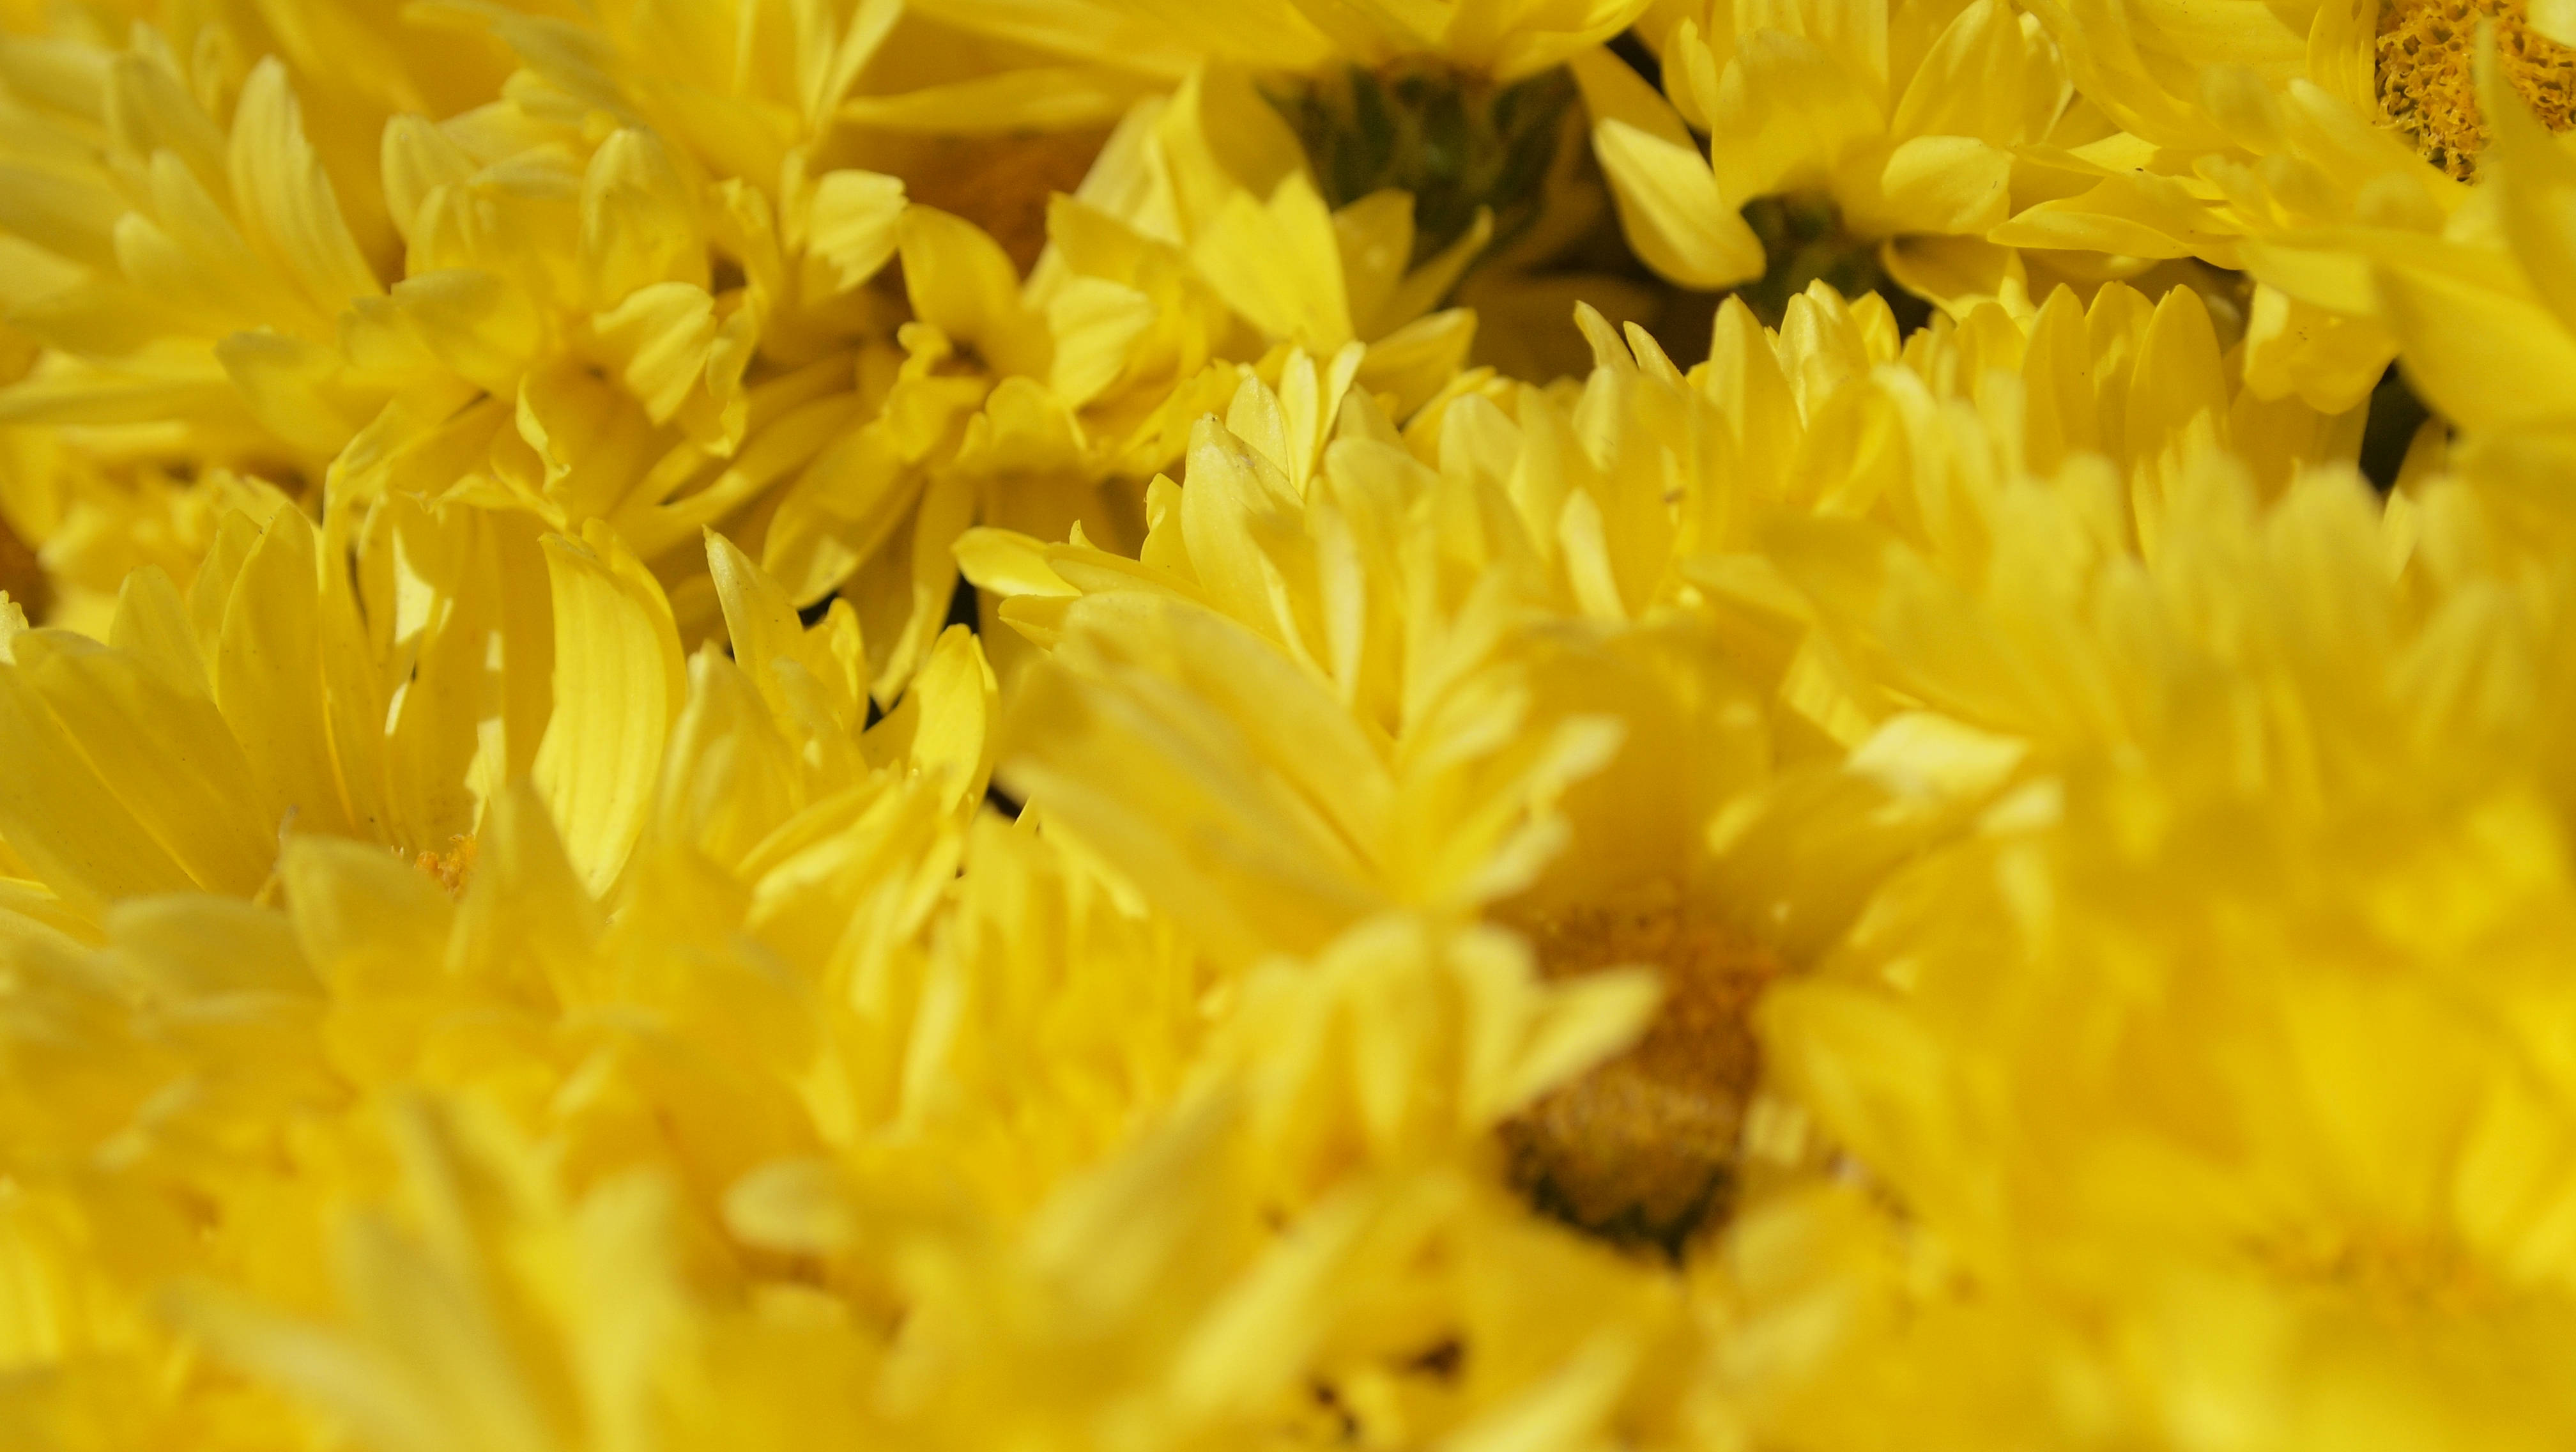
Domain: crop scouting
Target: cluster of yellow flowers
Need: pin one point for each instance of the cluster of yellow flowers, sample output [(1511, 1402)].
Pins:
[(1105, 725)]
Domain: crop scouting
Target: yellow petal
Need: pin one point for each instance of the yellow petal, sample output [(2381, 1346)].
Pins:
[(286, 200), (638, 222), (1278, 263), (371, 925), (962, 283), (268, 678), (2536, 186), (730, 778), (956, 695), (528, 924), (60, 816), (850, 225), (660, 338), (1971, 82), (2480, 347), (473, 322), (761, 622), (152, 624), (1096, 322), (618, 682), (294, 388), (166, 756), (1009, 564), (1669, 202), (1949, 185)]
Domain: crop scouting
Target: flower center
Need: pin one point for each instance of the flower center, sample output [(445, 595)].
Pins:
[(450, 868), (1002, 183), (2394, 1277), (1804, 241), (1643, 1148), (1456, 141), (2427, 70)]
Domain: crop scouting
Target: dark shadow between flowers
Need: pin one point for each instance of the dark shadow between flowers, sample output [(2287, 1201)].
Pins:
[(963, 609), (2396, 416)]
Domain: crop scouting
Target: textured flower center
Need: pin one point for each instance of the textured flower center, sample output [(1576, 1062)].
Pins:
[(449, 868), (2395, 1278), (1643, 1148), (2427, 69), (1456, 141), (1804, 240), (1002, 183)]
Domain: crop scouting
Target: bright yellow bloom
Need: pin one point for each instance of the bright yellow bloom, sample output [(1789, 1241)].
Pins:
[(669, 985), (520, 1119), (289, 692), (89, 523), (185, 268), (1035, 404), (1342, 679), (1903, 118), (2245, 138), (2487, 320), (393, 698), (2211, 1075), (1814, 882), (190, 207)]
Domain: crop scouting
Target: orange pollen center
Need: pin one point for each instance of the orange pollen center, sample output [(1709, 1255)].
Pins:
[(452, 867), (1644, 1147), (1002, 183), (2427, 75), (2393, 1277)]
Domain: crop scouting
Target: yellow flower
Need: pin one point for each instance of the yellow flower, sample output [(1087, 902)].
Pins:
[(1465, 107), (1902, 123), (566, 320), (1339, 680), (391, 695), (381, 698), (2206, 1090), (91, 523), (1819, 881), (2246, 139), (753, 1130), (2486, 321), (1039, 403), (186, 268), (700, 972)]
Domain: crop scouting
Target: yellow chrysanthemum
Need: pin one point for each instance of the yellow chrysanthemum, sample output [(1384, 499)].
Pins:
[(1849, 131), (1363, 681), (2244, 139), (182, 235), (787, 1036), (293, 692), (1838, 875), (2486, 320), (2209, 1074), (77, 526), (489, 976)]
